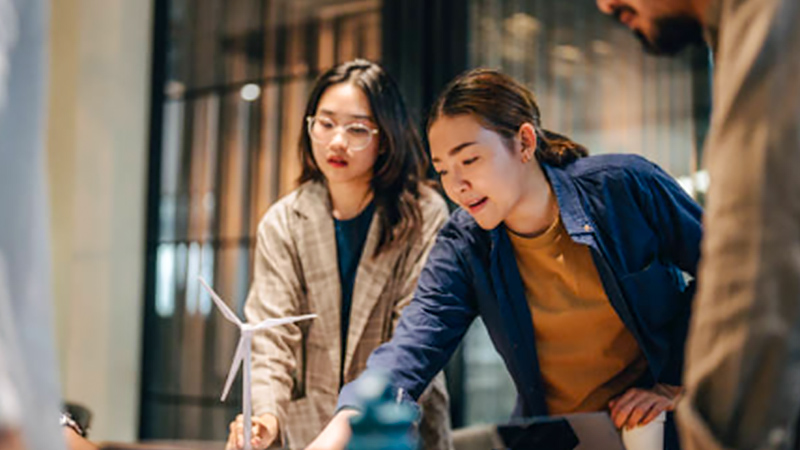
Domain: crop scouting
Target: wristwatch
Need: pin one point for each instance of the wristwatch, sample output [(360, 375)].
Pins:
[(67, 421)]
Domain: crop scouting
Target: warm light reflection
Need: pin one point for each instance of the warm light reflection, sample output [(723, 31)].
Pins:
[(250, 92), (165, 284), (207, 269), (192, 290)]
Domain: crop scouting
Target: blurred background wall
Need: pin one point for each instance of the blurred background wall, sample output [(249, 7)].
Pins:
[(97, 143)]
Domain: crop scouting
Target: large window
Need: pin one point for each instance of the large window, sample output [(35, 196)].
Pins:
[(231, 92)]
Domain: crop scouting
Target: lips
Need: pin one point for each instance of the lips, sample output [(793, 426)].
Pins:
[(336, 161), (476, 205)]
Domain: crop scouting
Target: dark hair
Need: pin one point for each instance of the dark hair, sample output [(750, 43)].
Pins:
[(400, 166), (502, 105)]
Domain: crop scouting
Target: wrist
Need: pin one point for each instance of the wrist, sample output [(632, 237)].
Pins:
[(671, 392), (272, 424)]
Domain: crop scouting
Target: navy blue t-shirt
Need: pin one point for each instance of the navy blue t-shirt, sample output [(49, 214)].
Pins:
[(350, 237)]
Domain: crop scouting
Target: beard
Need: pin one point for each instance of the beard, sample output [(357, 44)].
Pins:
[(671, 35)]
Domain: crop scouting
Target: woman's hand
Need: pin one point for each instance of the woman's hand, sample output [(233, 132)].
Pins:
[(638, 407), (336, 434), (265, 430)]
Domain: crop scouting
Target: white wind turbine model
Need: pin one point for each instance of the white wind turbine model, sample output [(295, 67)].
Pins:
[(243, 354)]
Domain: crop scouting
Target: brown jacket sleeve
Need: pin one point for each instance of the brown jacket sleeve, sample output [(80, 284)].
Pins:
[(742, 355), (276, 292)]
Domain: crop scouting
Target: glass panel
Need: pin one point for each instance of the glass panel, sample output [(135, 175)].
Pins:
[(178, 46), (242, 41), (206, 45), (490, 392), (293, 105), (165, 284), (172, 145), (235, 165), (202, 167), (592, 80), (268, 150)]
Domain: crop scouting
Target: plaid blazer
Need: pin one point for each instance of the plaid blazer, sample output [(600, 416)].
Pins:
[(296, 367)]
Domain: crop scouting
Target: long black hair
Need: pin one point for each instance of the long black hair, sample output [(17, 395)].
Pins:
[(401, 164)]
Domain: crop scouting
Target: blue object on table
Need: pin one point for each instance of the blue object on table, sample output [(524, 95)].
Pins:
[(385, 423)]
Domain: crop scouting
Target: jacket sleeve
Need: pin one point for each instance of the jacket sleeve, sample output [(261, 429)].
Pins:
[(276, 292), (674, 216), (434, 402), (430, 327)]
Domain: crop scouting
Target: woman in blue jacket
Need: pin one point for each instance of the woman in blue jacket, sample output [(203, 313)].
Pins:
[(575, 264)]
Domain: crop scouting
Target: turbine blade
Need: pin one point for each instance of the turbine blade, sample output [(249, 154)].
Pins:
[(220, 303), (237, 361), (269, 323)]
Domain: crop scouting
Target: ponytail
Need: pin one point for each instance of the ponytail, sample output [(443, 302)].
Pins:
[(558, 150)]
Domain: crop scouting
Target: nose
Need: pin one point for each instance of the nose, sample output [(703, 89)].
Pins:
[(457, 183), (606, 6), (338, 141)]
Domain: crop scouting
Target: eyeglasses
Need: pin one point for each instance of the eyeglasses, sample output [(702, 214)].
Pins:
[(357, 135)]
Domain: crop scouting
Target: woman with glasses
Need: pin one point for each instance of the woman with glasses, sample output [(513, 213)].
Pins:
[(348, 244)]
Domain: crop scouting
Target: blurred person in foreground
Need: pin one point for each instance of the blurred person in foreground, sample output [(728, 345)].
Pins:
[(742, 372), (29, 391)]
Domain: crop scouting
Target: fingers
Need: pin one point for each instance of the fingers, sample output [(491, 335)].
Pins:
[(260, 427), (260, 434), (236, 433), (655, 411), (619, 407), (641, 409), (637, 407), (233, 432), (259, 438), (626, 405)]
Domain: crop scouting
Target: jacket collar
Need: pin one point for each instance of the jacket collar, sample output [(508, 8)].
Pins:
[(372, 276), (573, 214)]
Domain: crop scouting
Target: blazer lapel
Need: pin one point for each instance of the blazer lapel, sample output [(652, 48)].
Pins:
[(317, 249), (372, 277)]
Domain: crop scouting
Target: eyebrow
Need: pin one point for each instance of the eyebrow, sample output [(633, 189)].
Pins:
[(455, 150), (352, 116)]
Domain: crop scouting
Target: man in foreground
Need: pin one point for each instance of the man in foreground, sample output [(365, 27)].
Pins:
[(742, 372)]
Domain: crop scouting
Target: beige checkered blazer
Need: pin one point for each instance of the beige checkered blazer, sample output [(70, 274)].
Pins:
[(296, 368)]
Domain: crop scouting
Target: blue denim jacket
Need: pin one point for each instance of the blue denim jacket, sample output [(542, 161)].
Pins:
[(643, 232)]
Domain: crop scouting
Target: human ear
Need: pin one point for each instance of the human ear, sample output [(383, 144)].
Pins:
[(528, 140)]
